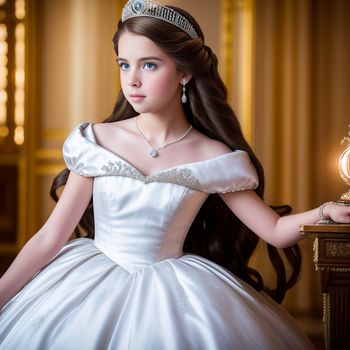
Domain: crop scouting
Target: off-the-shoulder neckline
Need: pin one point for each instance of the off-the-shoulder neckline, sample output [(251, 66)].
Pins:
[(158, 172)]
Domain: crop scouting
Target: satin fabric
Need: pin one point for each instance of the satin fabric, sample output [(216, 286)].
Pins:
[(132, 287)]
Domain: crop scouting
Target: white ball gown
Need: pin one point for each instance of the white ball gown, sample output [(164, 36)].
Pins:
[(132, 287)]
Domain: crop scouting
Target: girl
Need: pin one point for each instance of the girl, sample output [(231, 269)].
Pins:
[(170, 162)]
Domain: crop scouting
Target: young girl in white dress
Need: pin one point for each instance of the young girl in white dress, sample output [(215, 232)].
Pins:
[(171, 194)]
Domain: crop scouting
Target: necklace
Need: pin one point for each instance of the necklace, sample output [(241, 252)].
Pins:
[(154, 151)]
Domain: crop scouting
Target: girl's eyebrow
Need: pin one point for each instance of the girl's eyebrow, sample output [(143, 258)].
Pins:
[(149, 58)]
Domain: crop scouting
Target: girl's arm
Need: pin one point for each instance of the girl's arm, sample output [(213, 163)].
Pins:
[(279, 231), (46, 243)]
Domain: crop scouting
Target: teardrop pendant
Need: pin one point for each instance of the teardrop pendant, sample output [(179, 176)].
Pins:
[(184, 97), (153, 153)]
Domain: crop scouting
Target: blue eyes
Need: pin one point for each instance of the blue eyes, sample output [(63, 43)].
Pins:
[(123, 66), (150, 66), (147, 66)]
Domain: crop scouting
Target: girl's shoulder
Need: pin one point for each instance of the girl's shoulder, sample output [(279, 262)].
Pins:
[(119, 130), (208, 147), (105, 129)]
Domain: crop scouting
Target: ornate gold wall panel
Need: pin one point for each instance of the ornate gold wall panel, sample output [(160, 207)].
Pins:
[(13, 97)]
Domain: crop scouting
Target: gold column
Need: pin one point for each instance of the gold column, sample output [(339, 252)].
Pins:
[(238, 58), (27, 185), (226, 68)]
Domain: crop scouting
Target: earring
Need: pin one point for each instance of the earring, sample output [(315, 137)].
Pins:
[(183, 97)]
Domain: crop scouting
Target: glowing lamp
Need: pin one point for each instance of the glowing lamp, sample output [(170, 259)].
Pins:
[(344, 169)]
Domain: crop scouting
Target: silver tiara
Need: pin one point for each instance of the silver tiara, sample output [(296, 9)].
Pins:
[(151, 8)]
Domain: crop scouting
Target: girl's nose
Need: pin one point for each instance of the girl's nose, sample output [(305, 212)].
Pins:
[(134, 81)]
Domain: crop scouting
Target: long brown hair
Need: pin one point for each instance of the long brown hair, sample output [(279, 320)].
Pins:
[(216, 232)]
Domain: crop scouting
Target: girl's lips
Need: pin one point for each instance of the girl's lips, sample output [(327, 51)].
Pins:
[(137, 97)]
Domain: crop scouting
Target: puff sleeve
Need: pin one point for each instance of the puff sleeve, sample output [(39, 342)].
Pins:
[(230, 172), (79, 151)]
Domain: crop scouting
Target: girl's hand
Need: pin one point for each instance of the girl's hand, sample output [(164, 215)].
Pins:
[(338, 213)]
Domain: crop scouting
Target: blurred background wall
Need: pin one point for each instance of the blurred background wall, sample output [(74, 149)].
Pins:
[(286, 65)]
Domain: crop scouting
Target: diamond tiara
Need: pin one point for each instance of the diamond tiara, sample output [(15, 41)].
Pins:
[(151, 8)]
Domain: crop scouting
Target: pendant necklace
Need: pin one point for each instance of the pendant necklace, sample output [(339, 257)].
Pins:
[(154, 151)]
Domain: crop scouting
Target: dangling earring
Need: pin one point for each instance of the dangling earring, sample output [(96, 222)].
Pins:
[(183, 97)]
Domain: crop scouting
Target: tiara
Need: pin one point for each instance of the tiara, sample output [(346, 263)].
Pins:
[(151, 8)]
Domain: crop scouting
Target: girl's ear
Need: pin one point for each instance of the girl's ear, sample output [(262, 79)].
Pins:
[(186, 77)]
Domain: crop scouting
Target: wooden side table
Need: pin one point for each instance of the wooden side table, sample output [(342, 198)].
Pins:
[(332, 259)]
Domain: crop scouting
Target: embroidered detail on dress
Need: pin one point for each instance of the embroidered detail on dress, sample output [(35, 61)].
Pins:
[(176, 176), (236, 189)]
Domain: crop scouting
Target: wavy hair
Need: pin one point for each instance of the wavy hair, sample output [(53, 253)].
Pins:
[(216, 233)]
